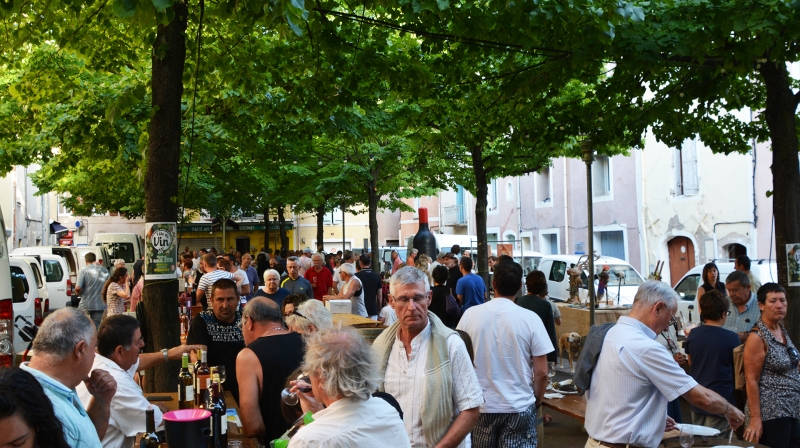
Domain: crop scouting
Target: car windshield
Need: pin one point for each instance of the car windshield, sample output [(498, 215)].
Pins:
[(120, 250), (629, 275)]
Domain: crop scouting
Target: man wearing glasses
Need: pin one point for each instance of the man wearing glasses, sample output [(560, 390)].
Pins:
[(744, 305), (635, 377), (217, 328), (425, 366)]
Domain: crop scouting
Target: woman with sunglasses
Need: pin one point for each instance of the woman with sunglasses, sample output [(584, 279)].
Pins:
[(709, 349), (772, 373)]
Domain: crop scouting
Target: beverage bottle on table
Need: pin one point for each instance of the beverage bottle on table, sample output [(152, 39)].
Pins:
[(184, 325), (150, 438), (219, 422), (185, 385), (202, 375), (215, 380)]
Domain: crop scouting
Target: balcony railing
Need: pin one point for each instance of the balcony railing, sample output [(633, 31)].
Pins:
[(455, 215)]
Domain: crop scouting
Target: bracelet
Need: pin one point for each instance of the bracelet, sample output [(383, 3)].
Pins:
[(164, 353)]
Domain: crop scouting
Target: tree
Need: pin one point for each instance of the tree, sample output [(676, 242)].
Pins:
[(703, 61)]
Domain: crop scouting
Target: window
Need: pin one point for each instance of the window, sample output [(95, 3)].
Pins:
[(53, 271), (37, 275), (117, 251), (686, 182), (687, 289), (549, 244), (63, 210), (334, 217), (491, 197), (612, 244), (509, 191), (557, 271), (542, 185), (601, 176), (19, 285)]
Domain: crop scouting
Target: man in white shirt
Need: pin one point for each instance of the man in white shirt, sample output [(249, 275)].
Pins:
[(511, 344), (635, 377), (305, 262), (425, 366), (119, 340)]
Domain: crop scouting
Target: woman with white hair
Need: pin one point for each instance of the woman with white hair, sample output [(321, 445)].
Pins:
[(352, 290), (344, 374), (310, 317), (272, 289)]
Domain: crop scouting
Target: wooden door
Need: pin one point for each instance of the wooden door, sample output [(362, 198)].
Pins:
[(681, 257)]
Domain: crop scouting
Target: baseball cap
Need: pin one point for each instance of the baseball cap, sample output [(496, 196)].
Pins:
[(307, 250), (449, 255)]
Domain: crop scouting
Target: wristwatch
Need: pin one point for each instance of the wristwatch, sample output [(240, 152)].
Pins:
[(164, 353)]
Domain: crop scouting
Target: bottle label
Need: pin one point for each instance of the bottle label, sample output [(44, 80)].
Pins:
[(183, 328), (224, 424), (189, 393)]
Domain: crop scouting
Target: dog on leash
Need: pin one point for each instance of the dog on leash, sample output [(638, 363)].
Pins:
[(570, 343)]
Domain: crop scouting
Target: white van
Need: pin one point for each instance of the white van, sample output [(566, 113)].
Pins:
[(529, 260), (555, 269), (30, 295), (100, 253), (766, 271), (6, 302), (59, 269), (125, 246)]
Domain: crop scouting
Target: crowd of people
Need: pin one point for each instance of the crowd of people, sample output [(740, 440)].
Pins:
[(452, 368)]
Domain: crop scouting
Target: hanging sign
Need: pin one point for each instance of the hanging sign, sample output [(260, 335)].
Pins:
[(161, 250), (793, 263)]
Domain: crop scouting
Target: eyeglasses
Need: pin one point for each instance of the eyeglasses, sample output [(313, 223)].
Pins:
[(794, 357), (417, 299), (672, 320), (728, 312)]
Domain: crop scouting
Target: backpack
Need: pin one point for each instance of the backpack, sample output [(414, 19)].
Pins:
[(451, 306)]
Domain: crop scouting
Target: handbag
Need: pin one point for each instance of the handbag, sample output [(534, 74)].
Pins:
[(451, 306), (739, 380)]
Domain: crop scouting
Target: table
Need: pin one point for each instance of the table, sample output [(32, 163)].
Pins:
[(674, 442), (234, 432), (355, 321), (571, 405), (577, 319)]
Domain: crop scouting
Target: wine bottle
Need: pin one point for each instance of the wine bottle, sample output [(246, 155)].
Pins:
[(219, 421), (202, 375), (150, 438), (184, 325), (424, 241), (221, 402), (185, 385)]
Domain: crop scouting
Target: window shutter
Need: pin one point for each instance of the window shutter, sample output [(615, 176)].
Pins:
[(691, 184)]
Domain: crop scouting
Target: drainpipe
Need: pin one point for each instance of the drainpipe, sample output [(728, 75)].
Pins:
[(519, 215), (566, 211)]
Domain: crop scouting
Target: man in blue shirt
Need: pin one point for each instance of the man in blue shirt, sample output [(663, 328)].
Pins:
[(471, 289), (65, 351), (744, 305)]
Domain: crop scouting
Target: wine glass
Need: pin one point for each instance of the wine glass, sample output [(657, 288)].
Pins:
[(687, 436), (551, 370), (221, 373), (290, 397)]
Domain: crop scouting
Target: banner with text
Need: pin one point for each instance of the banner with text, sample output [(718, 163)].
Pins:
[(161, 250)]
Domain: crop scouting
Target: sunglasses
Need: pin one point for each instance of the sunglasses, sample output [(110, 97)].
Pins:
[(794, 356), (295, 313)]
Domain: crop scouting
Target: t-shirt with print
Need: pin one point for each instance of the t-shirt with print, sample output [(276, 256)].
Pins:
[(224, 342)]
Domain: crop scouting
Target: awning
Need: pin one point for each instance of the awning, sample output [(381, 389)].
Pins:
[(57, 229)]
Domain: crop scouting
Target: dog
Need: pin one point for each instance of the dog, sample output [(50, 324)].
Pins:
[(570, 343)]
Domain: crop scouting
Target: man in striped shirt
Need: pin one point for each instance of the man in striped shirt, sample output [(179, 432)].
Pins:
[(635, 377)]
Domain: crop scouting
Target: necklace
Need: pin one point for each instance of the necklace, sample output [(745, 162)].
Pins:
[(269, 332)]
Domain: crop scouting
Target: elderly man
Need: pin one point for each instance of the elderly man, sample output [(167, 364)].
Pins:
[(343, 377), (90, 288), (338, 283), (64, 350), (397, 263), (744, 305), (319, 276), (311, 316), (251, 273), (372, 284), (411, 260), (426, 367), (271, 355), (511, 345), (271, 290), (208, 264), (294, 282), (305, 262), (218, 329), (119, 342), (635, 377)]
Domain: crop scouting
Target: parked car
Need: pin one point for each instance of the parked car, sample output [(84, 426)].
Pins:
[(621, 289), (6, 302), (59, 269), (765, 270), (125, 246), (29, 294)]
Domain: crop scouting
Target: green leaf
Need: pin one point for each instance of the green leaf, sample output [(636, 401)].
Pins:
[(124, 9), (443, 4), (112, 113), (296, 29), (162, 5), (638, 14)]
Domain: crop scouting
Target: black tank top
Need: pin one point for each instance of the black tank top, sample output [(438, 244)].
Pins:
[(279, 356)]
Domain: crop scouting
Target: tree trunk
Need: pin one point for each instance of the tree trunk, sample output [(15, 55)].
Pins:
[(320, 226), (161, 187), (374, 198), (282, 229), (780, 116), (481, 202), (266, 229)]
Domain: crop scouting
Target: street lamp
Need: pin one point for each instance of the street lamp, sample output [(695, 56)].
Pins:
[(588, 158)]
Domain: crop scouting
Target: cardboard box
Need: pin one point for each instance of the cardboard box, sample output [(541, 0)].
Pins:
[(339, 306)]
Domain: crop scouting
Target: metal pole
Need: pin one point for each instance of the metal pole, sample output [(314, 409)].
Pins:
[(343, 240), (588, 158)]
